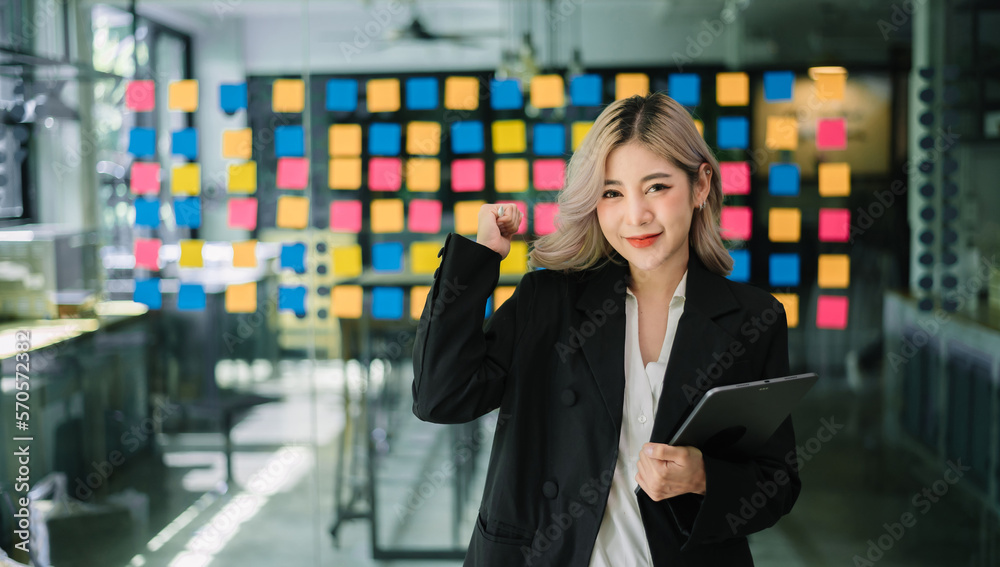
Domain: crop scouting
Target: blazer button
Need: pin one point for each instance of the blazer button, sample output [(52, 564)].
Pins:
[(550, 489), (568, 397)]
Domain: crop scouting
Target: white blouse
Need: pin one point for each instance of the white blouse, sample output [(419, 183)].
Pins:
[(621, 539)]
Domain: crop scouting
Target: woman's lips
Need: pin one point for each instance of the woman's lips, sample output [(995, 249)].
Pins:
[(643, 241)]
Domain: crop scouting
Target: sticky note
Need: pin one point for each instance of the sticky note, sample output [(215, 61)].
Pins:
[(145, 178), (782, 133), (545, 218), (186, 179), (425, 216), (741, 265), (700, 126), (183, 95), (784, 224), (778, 86), (191, 254), (140, 96), (147, 212), (467, 137), (521, 206), (293, 173), (422, 93), (516, 261), (387, 257), (509, 137), (345, 173), (345, 216), (423, 138), (502, 293), (834, 270), (243, 177), (346, 301), (191, 297), (510, 175), (461, 93), (345, 140), (292, 298), (790, 302), (148, 293), (736, 223), (831, 86), (735, 177), (387, 215), (293, 212), (548, 139), (834, 225), (629, 84), (293, 257), (685, 88), (387, 303), (468, 175), (245, 254), (384, 139), (548, 174), (243, 213), (289, 141), (424, 257), (783, 179), (184, 143), (383, 95), (831, 312), (147, 253), (142, 142), (548, 91), (831, 134), (347, 261), (187, 212), (237, 144), (733, 132), (342, 95), (241, 298), (418, 298), (783, 269), (385, 174), (467, 216), (579, 132), (586, 90), (732, 89), (288, 95), (834, 179), (423, 174), (232, 97), (505, 94)]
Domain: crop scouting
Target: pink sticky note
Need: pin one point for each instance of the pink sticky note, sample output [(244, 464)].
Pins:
[(523, 207), (425, 216), (831, 134), (545, 218), (140, 96), (468, 175), (147, 253), (243, 213), (737, 223), (385, 174), (293, 173), (145, 178), (831, 312), (735, 177), (834, 225), (345, 216), (548, 174)]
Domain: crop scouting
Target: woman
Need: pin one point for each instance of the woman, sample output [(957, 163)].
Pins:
[(595, 361)]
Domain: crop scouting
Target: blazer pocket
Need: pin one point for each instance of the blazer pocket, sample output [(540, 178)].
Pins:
[(502, 533)]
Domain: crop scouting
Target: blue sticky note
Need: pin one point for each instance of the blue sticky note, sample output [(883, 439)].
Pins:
[(489, 306), (685, 88), (232, 96), (289, 141), (467, 137), (783, 179), (505, 94), (387, 303), (422, 93), (148, 293), (187, 212), (384, 139), (184, 143), (741, 266), (733, 132), (549, 139), (147, 212), (342, 95), (387, 257), (293, 257), (191, 297), (778, 85), (292, 298), (142, 142), (586, 90), (783, 269)]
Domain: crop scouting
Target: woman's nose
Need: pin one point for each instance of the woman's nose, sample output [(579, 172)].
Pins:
[(638, 211)]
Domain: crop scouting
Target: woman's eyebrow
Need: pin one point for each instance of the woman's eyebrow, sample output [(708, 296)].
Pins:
[(643, 180)]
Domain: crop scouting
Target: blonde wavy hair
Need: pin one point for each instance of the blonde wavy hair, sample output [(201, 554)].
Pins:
[(665, 128)]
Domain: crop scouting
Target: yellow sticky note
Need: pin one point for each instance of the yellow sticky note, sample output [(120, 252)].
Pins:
[(387, 215), (511, 175), (501, 294), (834, 179), (245, 254), (831, 86), (345, 173), (288, 95), (732, 89), (467, 216), (509, 137), (784, 224), (629, 84), (516, 261), (241, 298), (345, 140), (418, 297), (186, 179), (346, 301), (191, 254), (423, 138), (782, 133), (423, 174), (293, 212), (237, 144), (790, 301), (579, 131), (548, 91), (347, 261), (183, 95), (834, 270), (243, 177), (383, 95), (424, 257), (700, 126), (461, 93)]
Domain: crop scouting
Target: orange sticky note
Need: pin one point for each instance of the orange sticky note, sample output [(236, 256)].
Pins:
[(790, 301), (346, 301), (501, 294), (293, 173), (548, 91), (511, 175), (467, 216), (423, 138), (782, 133), (245, 254), (423, 174), (191, 254), (424, 257), (418, 297), (347, 261), (700, 126), (288, 95), (243, 177), (834, 179), (186, 179), (509, 137), (241, 298), (345, 140), (579, 131), (293, 212), (383, 95), (784, 224), (831, 86), (387, 215), (237, 144), (461, 93), (183, 95), (345, 173), (628, 84), (516, 261), (834, 270), (732, 89)]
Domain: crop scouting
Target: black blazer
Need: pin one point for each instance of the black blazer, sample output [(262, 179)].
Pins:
[(552, 359)]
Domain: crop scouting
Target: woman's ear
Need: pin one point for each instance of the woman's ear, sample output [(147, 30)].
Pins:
[(704, 182)]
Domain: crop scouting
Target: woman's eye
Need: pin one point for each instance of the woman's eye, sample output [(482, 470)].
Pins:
[(610, 193), (659, 187)]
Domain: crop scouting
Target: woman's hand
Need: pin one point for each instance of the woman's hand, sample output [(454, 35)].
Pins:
[(497, 227), (666, 471)]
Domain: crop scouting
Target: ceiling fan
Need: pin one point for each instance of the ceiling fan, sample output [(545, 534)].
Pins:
[(417, 30)]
